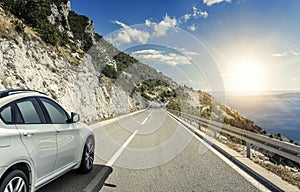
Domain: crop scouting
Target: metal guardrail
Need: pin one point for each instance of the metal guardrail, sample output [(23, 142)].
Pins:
[(285, 149)]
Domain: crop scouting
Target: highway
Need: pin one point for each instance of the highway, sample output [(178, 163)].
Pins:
[(151, 151)]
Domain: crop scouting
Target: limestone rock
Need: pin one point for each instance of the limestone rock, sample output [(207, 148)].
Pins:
[(77, 88)]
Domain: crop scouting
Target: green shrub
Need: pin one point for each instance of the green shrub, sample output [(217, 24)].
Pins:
[(174, 104), (78, 24), (19, 26), (123, 61), (109, 71)]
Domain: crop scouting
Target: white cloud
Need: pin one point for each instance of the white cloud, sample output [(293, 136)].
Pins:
[(204, 14), (188, 53), (199, 13), (195, 14), (128, 35), (161, 28), (148, 54), (148, 23), (279, 54), (192, 27), (295, 52), (195, 10), (121, 24), (159, 57), (187, 17), (211, 2)]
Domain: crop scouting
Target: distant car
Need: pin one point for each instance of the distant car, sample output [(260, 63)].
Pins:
[(39, 141)]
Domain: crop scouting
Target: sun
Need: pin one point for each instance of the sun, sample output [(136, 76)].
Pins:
[(247, 76)]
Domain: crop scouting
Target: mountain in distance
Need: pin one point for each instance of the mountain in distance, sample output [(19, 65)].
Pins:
[(268, 94)]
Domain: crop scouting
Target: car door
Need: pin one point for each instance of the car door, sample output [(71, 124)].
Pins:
[(68, 138), (38, 137)]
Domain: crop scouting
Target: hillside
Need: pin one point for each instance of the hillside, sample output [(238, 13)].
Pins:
[(95, 79), (55, 50), (62, 71)]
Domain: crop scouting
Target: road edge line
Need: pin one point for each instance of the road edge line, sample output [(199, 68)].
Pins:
[(262, 180)]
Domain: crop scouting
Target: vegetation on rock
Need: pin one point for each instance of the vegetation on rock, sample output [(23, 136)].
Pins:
[(78, 24), (156, 90), (35, 14)]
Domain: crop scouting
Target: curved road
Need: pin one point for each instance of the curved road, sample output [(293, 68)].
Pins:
[(151, 151)]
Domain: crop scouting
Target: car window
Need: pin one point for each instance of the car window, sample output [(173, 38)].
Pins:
[(56, 113), (6, 114), (30, 111)]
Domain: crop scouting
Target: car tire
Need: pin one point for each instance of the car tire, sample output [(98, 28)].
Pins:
[(87, 159), (16, 180)]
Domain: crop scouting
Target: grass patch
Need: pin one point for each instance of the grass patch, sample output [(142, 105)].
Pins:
[(292, 177), (283, 172)]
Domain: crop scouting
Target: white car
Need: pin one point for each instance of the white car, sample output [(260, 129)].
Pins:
[(39, 141)]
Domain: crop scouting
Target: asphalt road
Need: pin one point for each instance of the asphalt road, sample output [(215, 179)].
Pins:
[(150, 151)]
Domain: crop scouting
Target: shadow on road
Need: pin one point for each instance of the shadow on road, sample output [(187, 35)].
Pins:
[(73, 181)]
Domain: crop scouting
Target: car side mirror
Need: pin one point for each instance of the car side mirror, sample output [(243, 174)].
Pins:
[(74, 118)]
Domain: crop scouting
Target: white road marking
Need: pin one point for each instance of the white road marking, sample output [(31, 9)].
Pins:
[(102, 123), (118, 153), (146, 119), (93, 184)]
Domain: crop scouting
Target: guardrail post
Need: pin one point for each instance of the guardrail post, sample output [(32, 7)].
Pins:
[(215, 133), (248, 149)]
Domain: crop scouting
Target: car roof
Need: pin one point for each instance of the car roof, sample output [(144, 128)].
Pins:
[(7, 96), (7, 92)]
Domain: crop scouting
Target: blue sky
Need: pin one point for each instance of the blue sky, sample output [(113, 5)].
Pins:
[(215, 45)]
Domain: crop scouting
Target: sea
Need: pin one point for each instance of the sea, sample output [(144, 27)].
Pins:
[(275, 112)]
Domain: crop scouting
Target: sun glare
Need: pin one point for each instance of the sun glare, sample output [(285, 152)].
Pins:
[(247, 76)]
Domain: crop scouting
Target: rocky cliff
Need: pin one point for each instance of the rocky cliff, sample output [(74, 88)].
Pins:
[(25, 65), (68, 76)]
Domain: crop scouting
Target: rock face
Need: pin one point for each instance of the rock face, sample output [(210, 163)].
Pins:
[(78, 88), (72, 78)]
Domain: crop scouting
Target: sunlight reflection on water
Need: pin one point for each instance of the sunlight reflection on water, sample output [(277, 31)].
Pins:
[(274, 113)]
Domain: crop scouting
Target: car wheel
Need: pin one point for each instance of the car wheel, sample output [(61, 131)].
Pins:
[(15, 181), (87, 159)]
